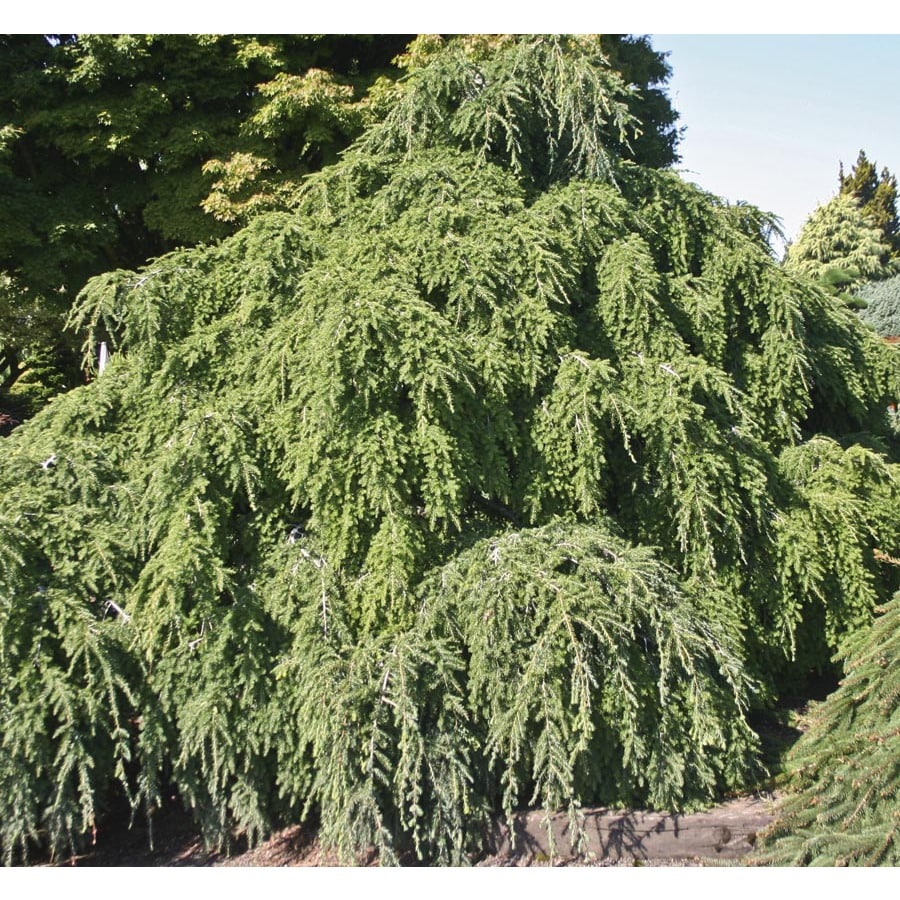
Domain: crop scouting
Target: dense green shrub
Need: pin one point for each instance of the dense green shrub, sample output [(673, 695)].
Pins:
[(839, 235), (499, 472)]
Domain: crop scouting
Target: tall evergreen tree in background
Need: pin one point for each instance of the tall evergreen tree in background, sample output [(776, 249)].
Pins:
[(853, 239), (498, 470), (876, 195)]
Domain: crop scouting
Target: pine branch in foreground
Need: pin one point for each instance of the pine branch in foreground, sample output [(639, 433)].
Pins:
[(844, 805)]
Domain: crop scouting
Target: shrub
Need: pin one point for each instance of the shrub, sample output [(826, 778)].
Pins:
[(882, 310)]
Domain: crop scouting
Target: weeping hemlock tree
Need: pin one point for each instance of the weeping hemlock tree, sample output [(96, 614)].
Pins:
[(499, 472)]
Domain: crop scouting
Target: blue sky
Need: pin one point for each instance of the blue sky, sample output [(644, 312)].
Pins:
[(770, 117)]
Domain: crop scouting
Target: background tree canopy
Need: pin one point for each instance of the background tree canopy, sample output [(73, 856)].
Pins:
[(877, 196), (117, 148), (839, 236), (497, 470), (853, 239)]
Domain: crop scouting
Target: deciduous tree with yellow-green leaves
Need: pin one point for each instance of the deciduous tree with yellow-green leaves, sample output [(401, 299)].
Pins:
[(117, 148)]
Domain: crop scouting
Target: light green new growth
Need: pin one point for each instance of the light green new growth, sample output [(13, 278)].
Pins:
[(838, 236)]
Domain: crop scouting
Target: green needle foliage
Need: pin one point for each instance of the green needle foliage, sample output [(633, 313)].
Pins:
[(497, 472), (845, 806), (882, 310), (877, 196), (841, 235)]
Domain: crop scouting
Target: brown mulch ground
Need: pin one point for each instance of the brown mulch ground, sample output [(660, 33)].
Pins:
[(176, 842)]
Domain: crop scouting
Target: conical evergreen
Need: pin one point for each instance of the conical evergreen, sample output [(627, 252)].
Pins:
[(876, 195), (498, 472), (840, 235)]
